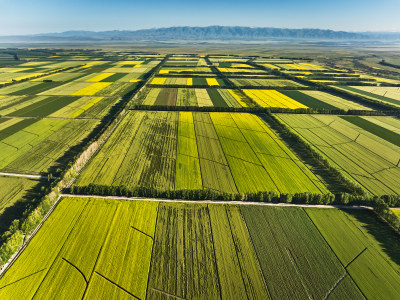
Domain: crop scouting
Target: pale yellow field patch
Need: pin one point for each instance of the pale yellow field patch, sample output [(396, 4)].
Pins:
[(15, 70), (92, 89)]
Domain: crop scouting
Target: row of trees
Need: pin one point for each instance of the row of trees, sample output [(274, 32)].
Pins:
[(259, 109), (205, 194)]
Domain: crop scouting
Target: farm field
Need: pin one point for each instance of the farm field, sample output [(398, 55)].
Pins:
[(145, 250), (238, 149), (273, 98), (389, 95), (323, 100), (194, 97), (368, 152), (87, 90), (34, 146), (12, 190)]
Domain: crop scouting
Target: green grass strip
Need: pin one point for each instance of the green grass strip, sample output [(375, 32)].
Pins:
[(383, 133)]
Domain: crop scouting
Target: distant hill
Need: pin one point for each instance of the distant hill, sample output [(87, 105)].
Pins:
[(205, 33)]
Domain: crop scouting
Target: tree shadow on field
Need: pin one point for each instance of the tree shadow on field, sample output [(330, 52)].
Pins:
[(386, 237), (16, 210)]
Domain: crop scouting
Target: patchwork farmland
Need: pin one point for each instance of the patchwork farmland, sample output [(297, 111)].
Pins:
[(138, 249), (134, 175), (225, 152)]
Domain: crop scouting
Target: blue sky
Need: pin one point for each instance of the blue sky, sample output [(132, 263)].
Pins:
[(42, 16)]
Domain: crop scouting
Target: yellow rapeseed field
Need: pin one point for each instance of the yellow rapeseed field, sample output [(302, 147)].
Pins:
[(91, 89), (189, 81), (130, 62), (100, 77), (272, 98), (212, 81), (239, 98), (158, 80)]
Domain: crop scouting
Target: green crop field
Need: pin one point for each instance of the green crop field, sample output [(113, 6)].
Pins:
[(226, 152), (191, 97), (33, 146), (151, 250), (368, 156)]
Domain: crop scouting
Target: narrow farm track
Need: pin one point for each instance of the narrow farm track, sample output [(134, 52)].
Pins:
[(24, 175), (216, 202)]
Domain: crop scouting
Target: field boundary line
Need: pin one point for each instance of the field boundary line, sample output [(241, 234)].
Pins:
[(357, 256), (71, 264), (27, 276), (143, 233), (126, 291), (216, 202)]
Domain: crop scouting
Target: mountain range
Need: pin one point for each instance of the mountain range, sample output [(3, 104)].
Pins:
[(223, 33)]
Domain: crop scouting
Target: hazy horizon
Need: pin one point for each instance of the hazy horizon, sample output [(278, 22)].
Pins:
[(28, 17)]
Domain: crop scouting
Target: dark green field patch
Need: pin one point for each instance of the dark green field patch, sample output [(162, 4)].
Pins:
[(167, 97), (114, 77), (19, 101), (292, 253), (225, 65), (5, 133), (383, 133), (45, 107), (199, 81), (216, 98), (38, 88), (221, 82), (308, 100)]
